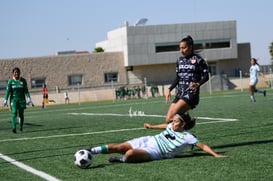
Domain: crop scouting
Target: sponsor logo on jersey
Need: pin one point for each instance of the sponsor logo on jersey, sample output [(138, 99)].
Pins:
[(186, 66)]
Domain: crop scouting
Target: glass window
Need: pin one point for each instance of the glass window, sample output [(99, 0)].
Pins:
[(212, 68), (109, 77), (37, 82), (75, 80), (3, 84), (167, 47), (222, 44)]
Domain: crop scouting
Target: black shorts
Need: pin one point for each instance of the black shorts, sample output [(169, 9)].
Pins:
[(190, 97)]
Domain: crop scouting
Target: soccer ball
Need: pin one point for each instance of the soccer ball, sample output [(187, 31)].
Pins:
[(83, 158)]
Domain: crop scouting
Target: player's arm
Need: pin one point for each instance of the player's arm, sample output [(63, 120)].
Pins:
[(26, 89), (262, 74), (205, 73), (209, 150), (169, 90), (158, 126), (8, 90)]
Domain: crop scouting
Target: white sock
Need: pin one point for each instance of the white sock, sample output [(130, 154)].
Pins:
[(99, 149)]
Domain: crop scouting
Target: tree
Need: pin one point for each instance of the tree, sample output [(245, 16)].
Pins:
[(98, 49), (271, 50)]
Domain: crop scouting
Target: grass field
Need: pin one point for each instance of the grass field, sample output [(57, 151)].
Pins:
[(227, 121)]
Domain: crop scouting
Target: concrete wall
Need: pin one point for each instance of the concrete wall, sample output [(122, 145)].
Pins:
[(229, 66), (57, 69), (139, 42)]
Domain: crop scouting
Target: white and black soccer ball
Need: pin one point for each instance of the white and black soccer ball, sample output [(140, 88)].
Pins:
[(83, 158)]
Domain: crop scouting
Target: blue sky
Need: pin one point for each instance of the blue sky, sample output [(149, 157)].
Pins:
[(31, 28)]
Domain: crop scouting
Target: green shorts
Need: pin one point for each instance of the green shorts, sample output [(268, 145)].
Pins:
[(17, 104)]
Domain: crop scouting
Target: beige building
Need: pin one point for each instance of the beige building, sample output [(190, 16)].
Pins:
[(134, 56)]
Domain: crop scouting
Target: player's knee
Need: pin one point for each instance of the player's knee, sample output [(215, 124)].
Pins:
[(130, 156), (119, 148)]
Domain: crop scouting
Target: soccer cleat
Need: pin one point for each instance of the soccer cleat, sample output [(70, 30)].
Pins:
[(252, 99), (264, 93), (14, 130), (116, 160)]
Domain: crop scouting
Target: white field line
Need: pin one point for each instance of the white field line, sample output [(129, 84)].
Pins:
[(147, 115), (28, 168), (215, 120)]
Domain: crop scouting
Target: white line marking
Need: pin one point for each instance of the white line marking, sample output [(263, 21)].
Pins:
[(97, 132), (147, 115), (28, 168), (69, 135)]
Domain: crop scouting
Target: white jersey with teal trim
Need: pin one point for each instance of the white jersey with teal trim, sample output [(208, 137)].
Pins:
[(254, 72), (172, 143)]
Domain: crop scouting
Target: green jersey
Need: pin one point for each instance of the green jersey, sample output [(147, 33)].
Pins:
[(17, 89)]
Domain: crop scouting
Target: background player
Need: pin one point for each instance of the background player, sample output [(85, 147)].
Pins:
[(17, 91), (253, 74)]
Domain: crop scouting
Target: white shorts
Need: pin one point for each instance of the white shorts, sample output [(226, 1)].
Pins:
[(253, 82), (148, 144)]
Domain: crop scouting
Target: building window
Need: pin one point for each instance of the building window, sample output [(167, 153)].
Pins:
[(167, 47), (220, 44), (75, 80), (212, 68), (210, 44), (111, 77), (37, 82), (203, 44), (3, 84)]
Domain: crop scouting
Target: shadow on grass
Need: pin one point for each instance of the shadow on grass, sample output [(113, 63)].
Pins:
[(195, 153), (229, 146), (244, 144), (29, 125)]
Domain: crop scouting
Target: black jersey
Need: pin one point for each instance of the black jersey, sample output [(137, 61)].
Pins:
[(190, 69)]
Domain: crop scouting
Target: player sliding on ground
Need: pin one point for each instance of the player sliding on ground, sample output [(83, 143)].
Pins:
[(169, 143)]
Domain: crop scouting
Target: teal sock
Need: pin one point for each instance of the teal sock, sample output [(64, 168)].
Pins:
[(104, 149)]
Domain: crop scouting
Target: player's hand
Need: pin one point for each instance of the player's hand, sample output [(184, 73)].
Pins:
[(5, 103), (194, 85), (29, 102), (147, 125), (168, 96), (220, 156)]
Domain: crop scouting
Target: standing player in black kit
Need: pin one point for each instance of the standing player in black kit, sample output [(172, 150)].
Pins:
[(191, 73)]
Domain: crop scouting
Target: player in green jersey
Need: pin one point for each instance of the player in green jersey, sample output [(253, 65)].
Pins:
[(171, 142), (17, 91)]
